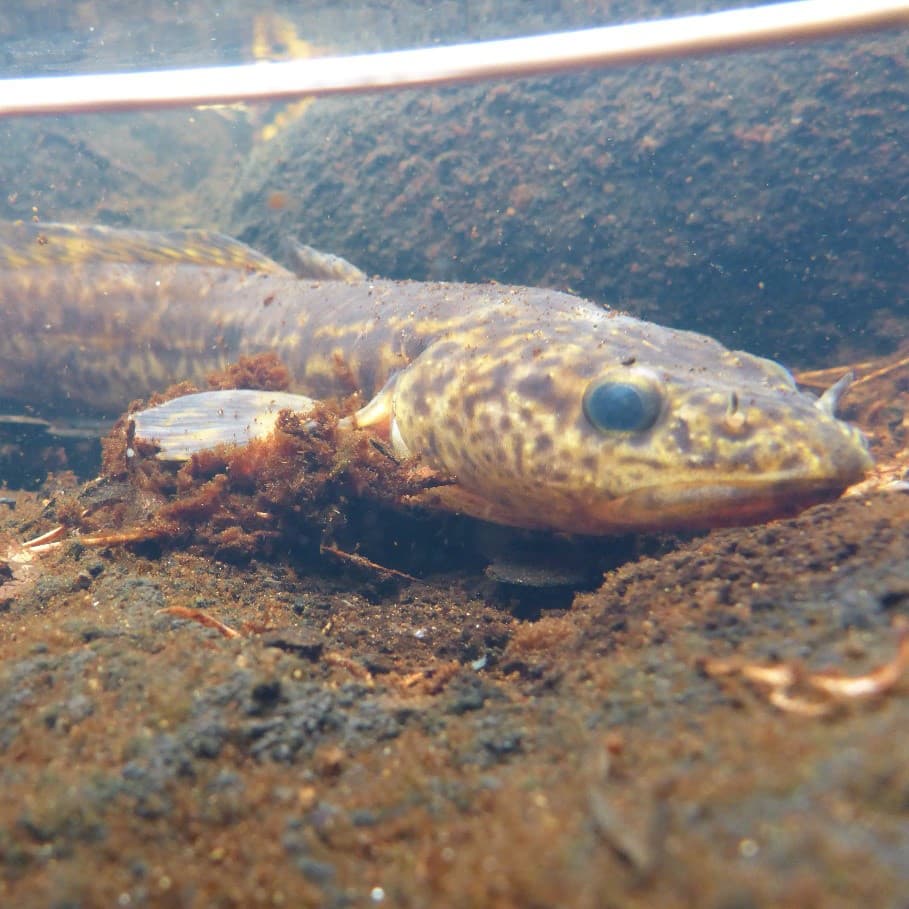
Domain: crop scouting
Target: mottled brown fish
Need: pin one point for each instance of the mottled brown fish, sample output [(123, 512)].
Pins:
[(548, 410)]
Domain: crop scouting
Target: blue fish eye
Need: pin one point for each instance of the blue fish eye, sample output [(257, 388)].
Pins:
[(613, 406)]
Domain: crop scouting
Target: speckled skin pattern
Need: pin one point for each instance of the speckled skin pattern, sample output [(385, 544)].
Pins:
[(484, 382)]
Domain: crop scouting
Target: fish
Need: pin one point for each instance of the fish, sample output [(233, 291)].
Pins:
[(546, 410)]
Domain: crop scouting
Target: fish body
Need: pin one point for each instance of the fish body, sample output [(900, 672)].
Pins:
[(548, 410)]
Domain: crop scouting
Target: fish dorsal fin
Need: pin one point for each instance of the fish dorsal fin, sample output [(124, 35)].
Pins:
[(23, 245), (308, 262)]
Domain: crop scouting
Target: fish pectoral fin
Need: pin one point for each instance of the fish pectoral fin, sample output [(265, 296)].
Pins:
[(378, 416), (187, 425), (307, 262)]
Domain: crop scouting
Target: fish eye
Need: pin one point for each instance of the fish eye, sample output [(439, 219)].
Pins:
[(622, 406)]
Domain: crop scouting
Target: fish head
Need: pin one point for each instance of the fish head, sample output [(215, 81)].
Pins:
[(607, 424)]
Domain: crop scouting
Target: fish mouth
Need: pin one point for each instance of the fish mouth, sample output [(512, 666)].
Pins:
[(736, 499), (699, 507), (722, 503)]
